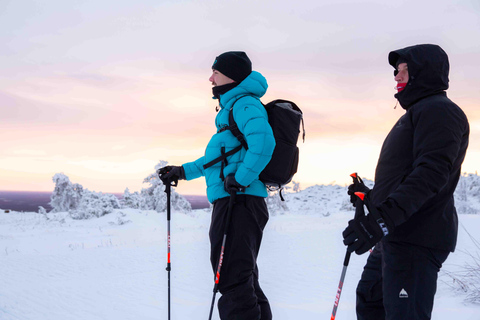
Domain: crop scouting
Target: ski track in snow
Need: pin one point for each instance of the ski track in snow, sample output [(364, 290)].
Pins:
[(113, 267)]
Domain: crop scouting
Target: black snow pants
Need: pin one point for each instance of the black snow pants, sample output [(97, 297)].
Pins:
[(242, 298), (399, 282)]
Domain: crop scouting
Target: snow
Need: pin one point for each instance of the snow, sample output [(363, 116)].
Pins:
[(113, 267)]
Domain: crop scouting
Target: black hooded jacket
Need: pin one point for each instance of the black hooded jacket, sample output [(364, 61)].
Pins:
[(420, 161)]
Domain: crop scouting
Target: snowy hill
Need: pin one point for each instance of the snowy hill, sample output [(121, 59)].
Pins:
[(55, 267)]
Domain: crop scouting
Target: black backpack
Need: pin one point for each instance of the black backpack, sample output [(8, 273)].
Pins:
[(285, 118)]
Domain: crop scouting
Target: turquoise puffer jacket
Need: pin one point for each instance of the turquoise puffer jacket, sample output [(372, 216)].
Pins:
[(252, 120)]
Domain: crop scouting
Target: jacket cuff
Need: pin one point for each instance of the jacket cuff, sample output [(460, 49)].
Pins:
[(391, 213)]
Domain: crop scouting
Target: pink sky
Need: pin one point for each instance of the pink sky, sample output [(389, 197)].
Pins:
[(102, 92)]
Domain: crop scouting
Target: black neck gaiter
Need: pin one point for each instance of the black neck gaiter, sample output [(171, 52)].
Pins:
[(219, 90)]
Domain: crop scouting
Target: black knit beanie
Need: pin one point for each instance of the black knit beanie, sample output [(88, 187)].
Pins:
[(234, 64)]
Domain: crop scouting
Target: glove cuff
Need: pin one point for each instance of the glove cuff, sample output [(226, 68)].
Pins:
[(182, 174), (378, 217)]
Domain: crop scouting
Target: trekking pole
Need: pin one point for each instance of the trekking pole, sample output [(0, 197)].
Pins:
[(168, 184), (220, 259), (169, 265), (358, 211)]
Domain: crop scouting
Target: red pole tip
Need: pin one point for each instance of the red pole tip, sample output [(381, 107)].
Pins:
[(361, 195), (353, 175)]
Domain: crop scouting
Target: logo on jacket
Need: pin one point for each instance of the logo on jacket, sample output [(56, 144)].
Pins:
[(403, 294)]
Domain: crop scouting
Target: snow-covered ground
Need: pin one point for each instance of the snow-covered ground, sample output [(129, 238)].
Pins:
[(113, 267)]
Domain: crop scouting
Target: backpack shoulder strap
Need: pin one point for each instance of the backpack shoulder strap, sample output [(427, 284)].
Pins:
[(232, 126)]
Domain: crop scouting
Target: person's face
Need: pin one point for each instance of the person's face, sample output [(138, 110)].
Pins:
[(219, 79), (402, 75)]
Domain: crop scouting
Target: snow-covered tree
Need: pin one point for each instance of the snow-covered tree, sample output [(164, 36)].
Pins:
[(131, 200), (155, 198), (84, 204), (66, 196), (95, 204), (79, 202)]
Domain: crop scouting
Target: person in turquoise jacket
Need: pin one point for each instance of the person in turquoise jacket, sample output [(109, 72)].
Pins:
[(238, 90)]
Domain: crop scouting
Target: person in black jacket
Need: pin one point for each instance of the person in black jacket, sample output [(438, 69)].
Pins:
[(412, 221)]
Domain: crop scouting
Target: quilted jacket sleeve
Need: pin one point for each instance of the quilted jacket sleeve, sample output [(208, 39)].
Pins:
[(194, 169)]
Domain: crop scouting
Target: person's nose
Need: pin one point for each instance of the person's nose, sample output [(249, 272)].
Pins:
[(398, 77)]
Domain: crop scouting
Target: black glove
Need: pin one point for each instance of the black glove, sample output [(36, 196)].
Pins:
[(364, 232), (171, 173), (357, 187), (231, 185)]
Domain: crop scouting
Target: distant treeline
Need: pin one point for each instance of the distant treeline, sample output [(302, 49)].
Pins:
[(29, 201)]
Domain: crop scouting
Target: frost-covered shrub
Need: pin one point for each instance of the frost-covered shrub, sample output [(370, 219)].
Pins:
[(296, 186), (66, 196), (274, 201), (120, 219), (131, 200), (80, 203), (467, 279), (85, 204), (319, 200), (467, 194), (94, 204), (155, 198), (346, 204)]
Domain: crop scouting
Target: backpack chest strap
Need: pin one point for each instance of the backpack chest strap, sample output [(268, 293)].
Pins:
[(222, 157), (233, 127)]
